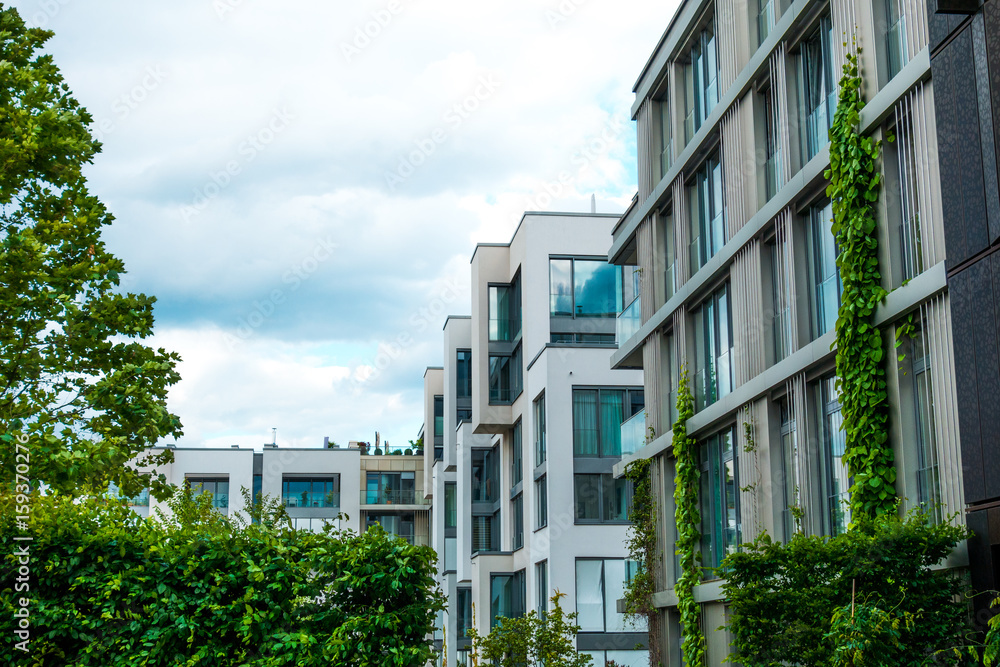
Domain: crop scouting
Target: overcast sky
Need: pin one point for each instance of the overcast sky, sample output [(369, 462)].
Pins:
[(301, 184)]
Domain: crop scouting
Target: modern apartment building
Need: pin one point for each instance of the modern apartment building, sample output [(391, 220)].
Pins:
[(315, 485), (525, 421), (731, 235)]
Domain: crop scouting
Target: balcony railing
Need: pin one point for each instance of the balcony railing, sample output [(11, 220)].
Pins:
[(634, 433), (141, 500), (408, 497), (629, 320), (311, 499)]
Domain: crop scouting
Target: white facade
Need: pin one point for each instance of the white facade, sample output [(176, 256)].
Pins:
[(486, 556)]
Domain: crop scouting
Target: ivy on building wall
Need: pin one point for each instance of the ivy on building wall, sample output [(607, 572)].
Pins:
[(642, 549), (854, 184), (688, 520)]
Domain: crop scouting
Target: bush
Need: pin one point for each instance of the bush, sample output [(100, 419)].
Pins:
[(109, 588), (783, 596)]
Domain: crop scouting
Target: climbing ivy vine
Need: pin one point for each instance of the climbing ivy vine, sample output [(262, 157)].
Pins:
[(854, 184), (642, 549), (688, 520)]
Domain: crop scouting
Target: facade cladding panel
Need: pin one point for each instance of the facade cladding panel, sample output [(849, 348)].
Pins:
[(933, 79), (965, 63)]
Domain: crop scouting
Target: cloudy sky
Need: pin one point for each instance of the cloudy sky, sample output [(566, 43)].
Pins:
[(301, 183)]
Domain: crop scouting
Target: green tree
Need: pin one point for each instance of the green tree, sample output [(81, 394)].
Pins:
[(532, 641), (74, 377), (112, 589)]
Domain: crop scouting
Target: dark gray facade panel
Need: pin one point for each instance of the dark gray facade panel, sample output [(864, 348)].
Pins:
[(988, 371), (989, 155), (945, 103), (980, 557), (969, 142), (967, 392)]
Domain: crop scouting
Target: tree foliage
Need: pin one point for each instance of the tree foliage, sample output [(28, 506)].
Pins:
[(783, 597), (73, 375), (855, 182), (642, 549), (532, 641), (111, 588)]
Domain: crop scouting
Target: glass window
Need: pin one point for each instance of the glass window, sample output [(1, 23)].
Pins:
[(258, 484), (517, 512), (463, 374), (450, 554), (485, 476), (450, 505), (765, 19), (542, 587), (311, 491), (438, 428), (463, 415), (895, 38), (583, 288), (622, 658), (819, 93), (486, 533), (837, 479), (781, 294), (928, 479), (600, 583), (516, 455), (598, 415), (772, 153), (826, 275), (463, 617), (666, 136), (507, 596), (398, 524), (669, 254), (505, 310), (539, 414), (505, 377), (789, 465), (714, 349), (541, 502), (601, 498), (702, 76), (218, 487), (706, 213), (720, 500), (907, 211)]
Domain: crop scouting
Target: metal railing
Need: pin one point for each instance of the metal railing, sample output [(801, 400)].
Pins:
[(311, 499), (388, 497)]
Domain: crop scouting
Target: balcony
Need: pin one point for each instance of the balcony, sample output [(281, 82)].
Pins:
[(311, 499), (141, 500), (389, 497), (634, 433), (629, 320)]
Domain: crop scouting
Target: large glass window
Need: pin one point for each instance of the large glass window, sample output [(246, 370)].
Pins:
[(836, 478), (819, 93), (438, 428), (601, 498), (772, 152), (450, 505), (516, 455), (701, 81), (505, 310), (505, 377), (706, 213), (542, 587), (765, 19), (541, 502), (789, 466), (713, 325), (463, 374), (390, 488), (583, 288), (311, 491), (507, 596), (781, 293), (600, 583), (218, 487), (397, 524), (517, 514), (906, 212), (597, 419), (669, 253), (719, 498), (895, 38), (666, 136), (826, 276), (928, 478), (463, 615), (486, 533), (539, 417), (485, 476)]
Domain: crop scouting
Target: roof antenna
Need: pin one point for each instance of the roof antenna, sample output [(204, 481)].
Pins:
[(274, 435), (593, 203)]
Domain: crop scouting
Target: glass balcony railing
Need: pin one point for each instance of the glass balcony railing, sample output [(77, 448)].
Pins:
[(141, 500), (634, 433), (392, 497), (629, 320), (311, 499)]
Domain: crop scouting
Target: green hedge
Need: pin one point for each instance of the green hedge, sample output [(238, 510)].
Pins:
[(109, 588)]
